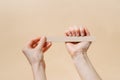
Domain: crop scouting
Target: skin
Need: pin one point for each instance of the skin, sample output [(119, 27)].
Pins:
[(78, 52), (34, 51), (74, 48)]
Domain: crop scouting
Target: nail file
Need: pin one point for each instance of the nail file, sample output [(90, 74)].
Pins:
[(70, 39)]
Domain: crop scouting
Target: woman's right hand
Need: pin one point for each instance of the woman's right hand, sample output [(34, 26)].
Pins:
[(80, 47)]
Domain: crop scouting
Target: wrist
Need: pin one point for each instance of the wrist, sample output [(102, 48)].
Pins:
[(80, 58), (38, 72), (80, 53), (38, 65)]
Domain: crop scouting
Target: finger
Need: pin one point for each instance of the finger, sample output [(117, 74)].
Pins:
[(32, 42), (35, 43), (69, 33), (72, 30), (87, 32), (66, 33), (82, 31), (41, 43), (47, 46), (77, 31)]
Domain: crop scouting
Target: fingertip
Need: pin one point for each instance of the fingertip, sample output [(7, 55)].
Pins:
[(82, 31), (50, 43), (87, 31), (69, 33), (41, 42), (72, 31), (43, 37), (76, 31)]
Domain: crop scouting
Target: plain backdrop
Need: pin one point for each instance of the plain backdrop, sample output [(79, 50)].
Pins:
[(22, 20)]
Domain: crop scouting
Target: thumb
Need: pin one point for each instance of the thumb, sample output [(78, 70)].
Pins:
[(41, 42)]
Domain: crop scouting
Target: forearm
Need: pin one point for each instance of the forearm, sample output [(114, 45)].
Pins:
[(84, 67), (39, 72)]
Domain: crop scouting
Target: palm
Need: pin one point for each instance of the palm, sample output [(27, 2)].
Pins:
[(77, 47)]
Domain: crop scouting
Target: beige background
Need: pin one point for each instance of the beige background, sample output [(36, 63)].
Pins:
[(21, 20)]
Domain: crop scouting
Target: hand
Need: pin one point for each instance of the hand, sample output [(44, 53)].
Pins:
[(34, 50), (79, 47)]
